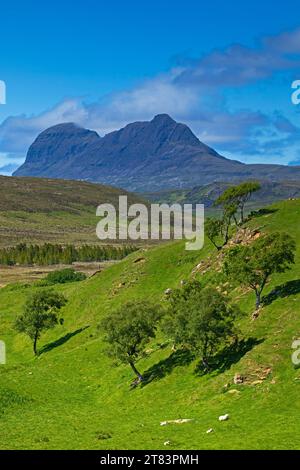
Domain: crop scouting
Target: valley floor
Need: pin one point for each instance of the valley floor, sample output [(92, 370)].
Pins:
[(74, 397)]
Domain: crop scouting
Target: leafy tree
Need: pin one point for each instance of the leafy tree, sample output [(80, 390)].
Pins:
[(201, 321), (237, 197), (129, 329), (217, 230), (244, 192), (40, 314), (213, 230), (252, 265)]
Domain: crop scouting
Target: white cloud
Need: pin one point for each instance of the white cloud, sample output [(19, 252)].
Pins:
[(190, 93)]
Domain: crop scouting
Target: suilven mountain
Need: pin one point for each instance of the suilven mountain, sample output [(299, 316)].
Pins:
[(143, 156)]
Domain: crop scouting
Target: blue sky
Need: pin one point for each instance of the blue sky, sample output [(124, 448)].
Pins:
[(222, 67)]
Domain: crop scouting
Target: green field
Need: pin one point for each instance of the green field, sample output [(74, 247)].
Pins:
[(74, 397)]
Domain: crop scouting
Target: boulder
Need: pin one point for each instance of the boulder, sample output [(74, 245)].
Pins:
[(224, 417)]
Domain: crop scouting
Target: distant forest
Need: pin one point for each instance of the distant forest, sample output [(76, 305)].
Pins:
[(48, 254)]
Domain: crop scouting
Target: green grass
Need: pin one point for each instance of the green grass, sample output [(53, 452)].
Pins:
[(74, 397)]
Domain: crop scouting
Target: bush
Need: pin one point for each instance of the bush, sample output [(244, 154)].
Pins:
[(64, 275)]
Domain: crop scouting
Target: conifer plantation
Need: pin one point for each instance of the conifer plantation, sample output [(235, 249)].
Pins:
[(48, 254)]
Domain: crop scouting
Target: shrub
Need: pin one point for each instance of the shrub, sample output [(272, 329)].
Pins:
[(64, 275)]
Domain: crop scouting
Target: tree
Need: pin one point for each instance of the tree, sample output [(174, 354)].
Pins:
[(238, 196), (213, 230), (129, 329), (201, 321), (218, 229), (252, 265), (40, 314)]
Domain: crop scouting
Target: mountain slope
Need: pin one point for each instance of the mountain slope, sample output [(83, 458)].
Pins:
[(73, 396), (270, 192), (143, 156), (57, 211)]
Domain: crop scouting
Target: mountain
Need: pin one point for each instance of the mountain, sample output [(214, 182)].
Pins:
[(143, 156)]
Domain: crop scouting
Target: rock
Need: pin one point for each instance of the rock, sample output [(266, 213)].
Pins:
[(257, 382), (175, 421), (255, 314), (238, 379), (168, 291), (224, 417)]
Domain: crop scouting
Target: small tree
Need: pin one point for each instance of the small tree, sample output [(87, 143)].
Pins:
[(40, 314), (217, 230), (201, 321), (238, 196), (252, 265), (213, 230), (128, 331)]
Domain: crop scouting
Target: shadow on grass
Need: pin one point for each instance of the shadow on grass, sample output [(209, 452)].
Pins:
[(165, 367), (59, 342), (228, 356), (261, 212), (280, 292)]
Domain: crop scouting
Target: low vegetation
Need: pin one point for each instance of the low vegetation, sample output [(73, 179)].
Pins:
[(43, 210), (62, 276)]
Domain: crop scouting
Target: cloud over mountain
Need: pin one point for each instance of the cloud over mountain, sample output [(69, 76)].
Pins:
[(193, 92)]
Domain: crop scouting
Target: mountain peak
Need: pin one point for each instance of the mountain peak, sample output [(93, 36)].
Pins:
[(143, 156), (66, 128), (163, 119)]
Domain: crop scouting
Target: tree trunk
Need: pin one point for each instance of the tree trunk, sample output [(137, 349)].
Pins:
[(140, 377), (35, 345), (258, 299), (258, 292), (242, 214), (205, 363)]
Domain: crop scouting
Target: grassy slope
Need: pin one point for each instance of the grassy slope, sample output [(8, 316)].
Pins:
[(270, 193), (58, 211), (72, 397)]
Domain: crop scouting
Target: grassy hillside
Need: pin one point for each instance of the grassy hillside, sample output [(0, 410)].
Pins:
[(42, 210), (73, 396), (270, 192)]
